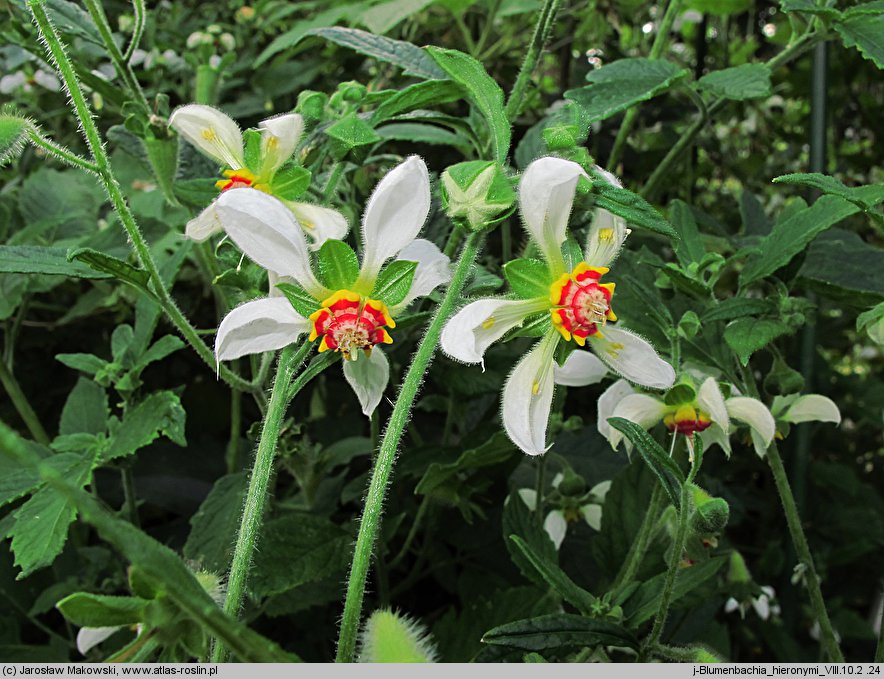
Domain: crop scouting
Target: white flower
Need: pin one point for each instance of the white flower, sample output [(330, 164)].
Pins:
[(764, 604), (353, 317), (576, 303), (589, 509), (219, 137)]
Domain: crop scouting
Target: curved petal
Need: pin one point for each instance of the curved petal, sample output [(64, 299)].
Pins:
[(269, 234), (556, 526), (606, 232), (257, 326), (433, 270), (274, 279), (211, 131), (479, 324), (88, 637), (529, 497), (710, 400), (580, 369), (204, 225), (812, 408), (608, 402), (279, 137), (368, 377), (632, 357), (546, 195), (714, 435), (642, 409), (592, 514), (754, 413), (395, 213), (527, 397), (319, 223)]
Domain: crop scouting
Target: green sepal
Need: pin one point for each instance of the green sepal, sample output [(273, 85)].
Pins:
[(563, 351), (300, 299), (394, 282), (96, 610), (572, 253), (464, 174), (682, 392), (349, 133), (311, 104), (290, 182), (338, 265), (528, 278), (535, 325), (252, 151)]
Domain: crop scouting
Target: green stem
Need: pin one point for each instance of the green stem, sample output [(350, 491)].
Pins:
[(539, 486), (256, 496), (488, 27), (235, 429), (879, 652), (383, 465), (137, 30), (802, 549), (412, 533), (632, 114), (60, 152), (542, 31), (115, 193), (129, 495), (316, 366), (642, 539), (22, 405)]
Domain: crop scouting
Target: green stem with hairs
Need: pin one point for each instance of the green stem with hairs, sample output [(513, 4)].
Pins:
[(383, 464), (105, 173), (58, 151), (642, 539), (140, 12), (542, 30), (22, 405)]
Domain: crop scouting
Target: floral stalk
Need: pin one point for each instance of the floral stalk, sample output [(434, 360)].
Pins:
[(59, 151), (383, 466), (642, 539), (140, 12), (542, 31)]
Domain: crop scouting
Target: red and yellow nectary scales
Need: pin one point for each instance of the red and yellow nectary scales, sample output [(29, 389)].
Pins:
[(580, 303), (347, 322), (686, 419)]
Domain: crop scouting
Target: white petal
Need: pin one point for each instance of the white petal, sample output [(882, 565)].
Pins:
[(581, 368), (256, 326), (761, 606), (211, 131), (433, 270), (474, 328), (600, 490), (274, 279), (812, 408), (710, 400), (556, 527), (607, 403), (642, 409), (88, 637), (715, 436), (47, 80), (268, 232), (546, 194), (395, 213), (592, 514), (731, 605), (529, 497), (754, 413), (368, 376), (632, 357), (204, 225), (279, 137), (527, 397), (606, 232), (319, 223)]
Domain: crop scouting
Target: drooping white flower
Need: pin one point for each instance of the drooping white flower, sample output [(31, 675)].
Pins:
[(587, 508), (217, 136), (574, 301), (353, 315)]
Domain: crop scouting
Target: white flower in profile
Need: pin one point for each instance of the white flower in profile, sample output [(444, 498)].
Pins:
[(350, 306), (587, 509), (764, 604), (256, 163), (571, 300)]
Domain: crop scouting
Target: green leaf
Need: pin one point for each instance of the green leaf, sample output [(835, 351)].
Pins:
[(297, 548), (842, 266), (670, 475), (159, 414), (809, 7), (290, 182), (87, 363), (96, 610), (52, 261), (351, 132), (383, 17), (412, 59), (522, 522), (495, 450), (13, 135), (747, 335), (117, 268), (421, 133), (689, 246), (17, 481), (866, 33), (302, 301), (419, 95), (162, 155), (738, 307), (719, 7), (482, 91), (217, 519), (864, 197), (556, 578), (338, 265), (620, 85), (632, 207), (528, 278), (790, 237), (747, 81), (557, 630), (85, 410), (394, 281)]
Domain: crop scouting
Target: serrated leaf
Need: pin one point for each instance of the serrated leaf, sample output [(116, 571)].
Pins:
[(620, 85), (394, 282), (85, 410), (417, 96), (104, 263), (739, 83), (738, 307), (557, 630), (385, 16), (856, 279), (632, 207), (747, 335), (52, 261), (809, 7), (669, 474), (556, 578), (17, 481), (160, 413), (351, 132), (338, 265), (482, 91), (528, 278), (689, 246), (866, 33), (304, 303), (865, 197), (98, 610), (290, 182), (87, 363), (217, 519)]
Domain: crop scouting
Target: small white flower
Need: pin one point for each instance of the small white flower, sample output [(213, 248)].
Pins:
[(764, 604)]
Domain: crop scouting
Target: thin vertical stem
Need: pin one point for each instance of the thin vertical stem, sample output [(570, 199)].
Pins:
[(542, 31), (22, 405), (140, 12), (642, 539), (129, 495), (383, 465), (235, 430), (539, 487)]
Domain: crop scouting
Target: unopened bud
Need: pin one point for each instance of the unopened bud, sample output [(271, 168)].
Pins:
[(477, 192), (311, 104)]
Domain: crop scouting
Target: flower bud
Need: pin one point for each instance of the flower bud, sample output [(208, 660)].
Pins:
[(390, 637), (710, 513), (311, 104), (477, 193)]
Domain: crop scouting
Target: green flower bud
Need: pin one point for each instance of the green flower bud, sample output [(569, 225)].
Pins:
[(13, 135), (710, 517), (704, 655), (572, 484), (352, 91), (682, 392), (390, 637), (477, 193), (561, 137), (311, 104), (737, 571)]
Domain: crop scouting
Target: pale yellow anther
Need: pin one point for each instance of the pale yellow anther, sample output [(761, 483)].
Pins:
[(606, 235), (488, 323), (209, 134), (535, 388)]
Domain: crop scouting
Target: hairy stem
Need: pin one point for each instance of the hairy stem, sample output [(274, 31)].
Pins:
[(383, 465), (129, 495), (140, 12), (642, 539), (22, 405), (58, 151), (542, 30)]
